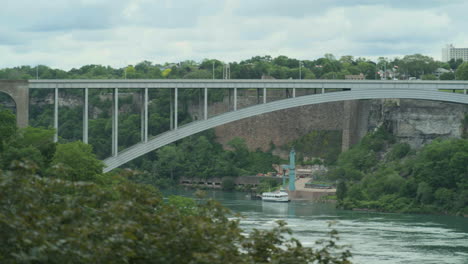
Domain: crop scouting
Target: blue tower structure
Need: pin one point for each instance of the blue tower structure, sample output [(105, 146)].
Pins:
[(292, 171)]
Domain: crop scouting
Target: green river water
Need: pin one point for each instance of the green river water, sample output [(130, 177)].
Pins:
[(374, 237)]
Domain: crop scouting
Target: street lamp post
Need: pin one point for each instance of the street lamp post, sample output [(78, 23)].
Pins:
[(300, 70)]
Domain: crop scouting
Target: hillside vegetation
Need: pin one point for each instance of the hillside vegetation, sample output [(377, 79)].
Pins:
[(382, 175)]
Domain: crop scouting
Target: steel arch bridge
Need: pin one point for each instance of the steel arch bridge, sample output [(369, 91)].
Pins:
[(331, 91)]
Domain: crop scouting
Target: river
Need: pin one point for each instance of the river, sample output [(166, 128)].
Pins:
[(374, 237)]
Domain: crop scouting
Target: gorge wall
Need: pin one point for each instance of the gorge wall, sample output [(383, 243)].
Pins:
[(416, 122)]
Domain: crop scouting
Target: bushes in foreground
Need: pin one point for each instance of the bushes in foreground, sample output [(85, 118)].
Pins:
[(51, 220)]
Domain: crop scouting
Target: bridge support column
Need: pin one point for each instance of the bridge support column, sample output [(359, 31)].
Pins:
[(145, 116), (235, 99), (19, 92), (115, 122), (175, 108), (205, 104), (350, 110), (294, 93), (56, 114), (171, 111), (85, 116), (264, 95)]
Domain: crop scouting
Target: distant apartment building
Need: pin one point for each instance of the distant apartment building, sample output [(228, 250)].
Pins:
[(450, 52)]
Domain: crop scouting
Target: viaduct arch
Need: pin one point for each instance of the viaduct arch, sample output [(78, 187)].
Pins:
[(19, 92)]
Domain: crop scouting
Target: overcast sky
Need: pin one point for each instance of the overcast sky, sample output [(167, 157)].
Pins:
[(67, 34)]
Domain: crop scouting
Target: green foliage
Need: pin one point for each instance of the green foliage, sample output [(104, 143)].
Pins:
[(399, 151), (76, 162), (341, 190), (443, 163), (363, 156), (424, 193), (428, 77), (47, 220), (455, 63), (462, 72), (33, 144), (7, 126), (318, 144), (228, 184), (186, 206), (268, 185), (465, 127), (429, 180), (416, 65), (281, 67), (447, 76)]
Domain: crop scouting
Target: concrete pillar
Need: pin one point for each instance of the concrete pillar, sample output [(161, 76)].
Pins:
[(19, 92), (171, 111), (294, 93), (56, 114), (115, 122), (350, 110), (264, 95), (175, 108), (85, 116), (205, 104), (235, 99), (142, 115), (145, 116)]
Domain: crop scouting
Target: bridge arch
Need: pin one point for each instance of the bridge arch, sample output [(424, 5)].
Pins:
[(199, 126), (19, 92)]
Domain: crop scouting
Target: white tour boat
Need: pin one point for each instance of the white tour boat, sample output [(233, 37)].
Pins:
[(278, 196)]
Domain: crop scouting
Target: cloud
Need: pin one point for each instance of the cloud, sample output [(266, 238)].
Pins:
[(70, 34)]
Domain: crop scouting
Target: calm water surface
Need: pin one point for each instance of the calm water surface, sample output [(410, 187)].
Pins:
[(375, 237)]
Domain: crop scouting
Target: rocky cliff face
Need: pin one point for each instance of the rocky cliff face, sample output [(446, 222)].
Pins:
[(417, 122), (278, 128)]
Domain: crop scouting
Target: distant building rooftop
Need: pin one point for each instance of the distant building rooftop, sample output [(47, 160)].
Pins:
[(355, 77)]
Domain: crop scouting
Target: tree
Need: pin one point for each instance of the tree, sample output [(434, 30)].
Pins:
[(7, 126), (240, 153), (198, 74), (428, 77), (130, 72), (417, 65), (462, 72), (228, 184), (447, 76), (168, 160), (47, 220), (75, 162), (455, 63), (341, 190), (424, 193)]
